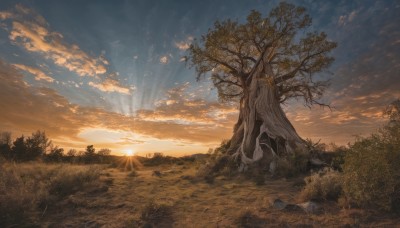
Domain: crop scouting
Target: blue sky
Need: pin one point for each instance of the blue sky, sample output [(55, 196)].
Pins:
[(121, 62)]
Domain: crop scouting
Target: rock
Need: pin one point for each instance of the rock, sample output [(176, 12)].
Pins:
[(279, 204), (293, 208), (317, 162), (156, 173), (310, 207)]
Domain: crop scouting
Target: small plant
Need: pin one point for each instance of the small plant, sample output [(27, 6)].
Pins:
[(292, 165), (247, 219), (133, 173), (156, 214), (323, 185)]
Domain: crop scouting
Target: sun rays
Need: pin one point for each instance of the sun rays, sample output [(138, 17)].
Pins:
[(130, 162)]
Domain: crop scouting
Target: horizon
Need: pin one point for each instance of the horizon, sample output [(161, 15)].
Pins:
[(113, 75)]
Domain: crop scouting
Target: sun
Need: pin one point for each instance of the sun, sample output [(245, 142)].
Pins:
[(129, 152)]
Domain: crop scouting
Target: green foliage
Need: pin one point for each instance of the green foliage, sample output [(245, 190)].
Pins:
[(372, 169), (293, 164), (337, 160), (230, 50), (218, 163), (369, 175), (323, 185)]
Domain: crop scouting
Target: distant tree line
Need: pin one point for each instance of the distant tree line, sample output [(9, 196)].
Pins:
[(39, 147)]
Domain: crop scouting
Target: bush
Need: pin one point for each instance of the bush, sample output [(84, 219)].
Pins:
[(27, 189), (159, 159), (248, 219), (323, 185), (372, 171), (372, 166), (19, 197), (293, 165), (68, 180), (157, 214)]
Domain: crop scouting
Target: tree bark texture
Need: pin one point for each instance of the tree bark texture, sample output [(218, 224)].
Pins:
[(263, 130)]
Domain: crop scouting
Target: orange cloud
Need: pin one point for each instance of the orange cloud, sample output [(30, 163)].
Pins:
[(26, 109), (111, 85), (39, 75), (5, 15)]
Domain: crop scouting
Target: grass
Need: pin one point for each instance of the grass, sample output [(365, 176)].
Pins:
[(27, 190), (64, 195), (323, 185)]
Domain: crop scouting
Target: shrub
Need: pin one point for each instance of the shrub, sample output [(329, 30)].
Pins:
[(323, 185), (157, 214), (293, 165), (159, 159), (27, 189), (372, 171), (338, 155), (19, 197), (372, 166), (68, 180), (133, 173), (248, 219)]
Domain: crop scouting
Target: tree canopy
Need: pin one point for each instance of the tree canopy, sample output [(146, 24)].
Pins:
[(281, 40)]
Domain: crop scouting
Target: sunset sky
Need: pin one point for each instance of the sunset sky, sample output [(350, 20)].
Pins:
[(111, 73)]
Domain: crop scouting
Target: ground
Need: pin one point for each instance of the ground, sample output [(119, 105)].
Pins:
[(123, 195)]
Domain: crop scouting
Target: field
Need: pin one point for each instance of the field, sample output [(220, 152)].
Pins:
[(167, 195)]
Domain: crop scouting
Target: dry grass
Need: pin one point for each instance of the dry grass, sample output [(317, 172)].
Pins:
[(169, 201), (27, 190), (323, 185)]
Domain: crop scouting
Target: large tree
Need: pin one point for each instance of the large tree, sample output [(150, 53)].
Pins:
[(263, 63)]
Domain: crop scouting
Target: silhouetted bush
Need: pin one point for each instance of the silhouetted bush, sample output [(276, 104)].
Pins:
[(159, 159)]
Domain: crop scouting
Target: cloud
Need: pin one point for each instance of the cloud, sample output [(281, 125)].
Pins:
[(110, 85), (345, 19), (180, 107), (184, 45), (164, 59), (31, 31), (360, 89), (39, 75), (187, 120), (5, 15)]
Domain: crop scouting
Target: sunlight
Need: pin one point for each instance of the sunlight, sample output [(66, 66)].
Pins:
[(129, 152)]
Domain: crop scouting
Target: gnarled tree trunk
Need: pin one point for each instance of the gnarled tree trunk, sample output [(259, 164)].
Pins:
[(263, 131)]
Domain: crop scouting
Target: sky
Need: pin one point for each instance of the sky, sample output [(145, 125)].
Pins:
[(111, 73)]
